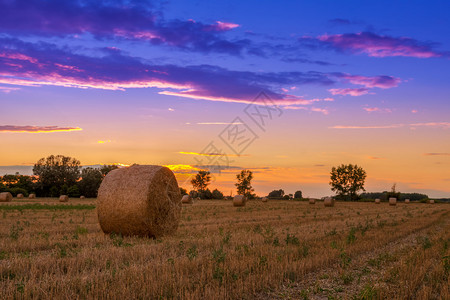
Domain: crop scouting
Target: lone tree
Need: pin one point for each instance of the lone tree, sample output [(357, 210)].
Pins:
[(201, 180), (57, 172), (244, 184), (298, 195), (347, 180)]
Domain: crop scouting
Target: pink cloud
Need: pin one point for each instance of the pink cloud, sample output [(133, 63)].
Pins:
[(380, 46), (349, 91), (6, 90), (382, 82), (414, 111), (377, 109), (226, 25), (290, 107), (321, 110)]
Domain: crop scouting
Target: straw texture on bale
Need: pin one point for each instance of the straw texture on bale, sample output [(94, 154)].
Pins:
[(63, 198), (19, 196), (82, 197), (32, 196), (377, 201), (186, 199), (328, 202), (312, 201), (6, 197), (139, 200), (265, 199), (239, 200), (406, 200), (431, 201), (393, 201)]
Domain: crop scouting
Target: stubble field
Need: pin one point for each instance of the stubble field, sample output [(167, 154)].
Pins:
[(274, 250)]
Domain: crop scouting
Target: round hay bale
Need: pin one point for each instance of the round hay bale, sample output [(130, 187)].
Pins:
[(139, 200), (377, 201), (19, 196), (6, 197), (328, 202), (392, 201), (265, 199), (239, 200), (407, 201), (82, 197), (186, 199), (32, 196), (63, 198), (312, 201), (431, 201)]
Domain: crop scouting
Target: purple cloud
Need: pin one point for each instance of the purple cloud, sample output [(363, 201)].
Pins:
[(123, 20), (374, 45), (27, 64)]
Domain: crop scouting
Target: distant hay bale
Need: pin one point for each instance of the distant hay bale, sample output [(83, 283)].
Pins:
[(328, 202), (32, 196), (63, 198), (377, 201), (82, 197), (6, 197), (392, 201), (139, 200), (312, 201), (19, 196), (407, 201), (264, 199), (431, 201), (186, 199), (239, 200)]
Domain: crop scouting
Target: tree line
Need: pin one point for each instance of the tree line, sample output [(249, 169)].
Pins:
[(57, 175)]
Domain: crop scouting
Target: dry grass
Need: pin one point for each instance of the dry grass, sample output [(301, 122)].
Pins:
[(277, 250)]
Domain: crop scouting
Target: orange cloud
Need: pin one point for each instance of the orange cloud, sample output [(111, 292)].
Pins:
[(103, 142), (436, 154), (37, 129), (180, 168)]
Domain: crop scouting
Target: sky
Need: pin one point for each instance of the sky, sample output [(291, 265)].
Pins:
[(285, 89)]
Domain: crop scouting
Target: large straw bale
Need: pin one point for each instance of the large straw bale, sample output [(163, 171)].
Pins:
[(328, 202), (239, 200), (6, 197), (187, 199), (63, 198), (139, 200), (377, 201), (392, 201)]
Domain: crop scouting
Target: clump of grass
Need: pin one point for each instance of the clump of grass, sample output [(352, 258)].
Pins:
[(292, 240)]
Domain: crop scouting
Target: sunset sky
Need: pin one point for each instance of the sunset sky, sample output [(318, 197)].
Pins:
[(286, 89)]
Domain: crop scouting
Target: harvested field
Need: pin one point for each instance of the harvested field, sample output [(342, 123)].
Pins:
[(282, 249)]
